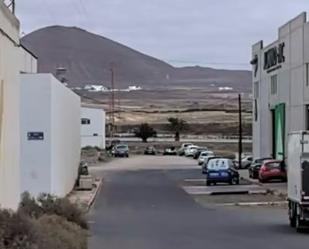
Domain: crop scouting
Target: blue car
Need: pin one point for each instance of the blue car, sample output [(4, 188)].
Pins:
[(221, 170)]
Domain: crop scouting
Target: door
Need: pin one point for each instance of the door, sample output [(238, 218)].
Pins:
[(279, 132)]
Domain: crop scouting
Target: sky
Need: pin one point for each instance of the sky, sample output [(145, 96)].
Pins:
[(213, 33)]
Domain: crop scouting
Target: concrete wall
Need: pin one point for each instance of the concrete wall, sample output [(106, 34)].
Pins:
[(29, 63), (9, 109), (292, 89), (49, 165), (65, 128), (93, 134), (35, 117)]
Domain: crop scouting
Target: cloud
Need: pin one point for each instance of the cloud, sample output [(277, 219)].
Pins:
[(216, 33)]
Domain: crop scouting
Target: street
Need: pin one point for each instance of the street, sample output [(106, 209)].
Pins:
[(142, 205)]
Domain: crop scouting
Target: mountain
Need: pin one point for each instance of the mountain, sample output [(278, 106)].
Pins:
[(88, 57)]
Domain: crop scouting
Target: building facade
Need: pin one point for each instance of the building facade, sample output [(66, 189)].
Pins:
[(92, 127), (13, 59), (280, 88), (50, 135)]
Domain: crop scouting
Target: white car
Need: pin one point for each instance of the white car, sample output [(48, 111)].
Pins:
[(190, 150), (204, 155), (182, 149)]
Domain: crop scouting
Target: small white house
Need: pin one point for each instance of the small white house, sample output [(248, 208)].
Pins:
[(92, 127), (50, 135)]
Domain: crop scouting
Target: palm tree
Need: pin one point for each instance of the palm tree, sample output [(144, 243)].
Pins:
[(177, 125)]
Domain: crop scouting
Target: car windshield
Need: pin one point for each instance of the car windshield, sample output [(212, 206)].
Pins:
[(204, 154), (122, 147), (218, 164)]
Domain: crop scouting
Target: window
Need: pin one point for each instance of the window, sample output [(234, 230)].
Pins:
[(307, 117), (85, 121), (274, 85), (307, 74), (256, 90)]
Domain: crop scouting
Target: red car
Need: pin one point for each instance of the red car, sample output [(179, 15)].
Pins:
[(271, 170)]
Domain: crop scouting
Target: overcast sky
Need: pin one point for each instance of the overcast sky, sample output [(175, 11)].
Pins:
[(216, 33)]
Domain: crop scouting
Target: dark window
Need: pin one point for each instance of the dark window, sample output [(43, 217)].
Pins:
[(307, 117), (85, 121)]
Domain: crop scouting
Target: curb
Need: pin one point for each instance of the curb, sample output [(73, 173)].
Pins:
[(251, 181), (92, 200), (254, 204), (240, 192)]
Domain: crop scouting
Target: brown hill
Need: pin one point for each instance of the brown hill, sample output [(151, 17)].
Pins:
[(88, 58)]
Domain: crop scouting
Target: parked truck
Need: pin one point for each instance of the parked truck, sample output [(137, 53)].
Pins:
[(298, 179)]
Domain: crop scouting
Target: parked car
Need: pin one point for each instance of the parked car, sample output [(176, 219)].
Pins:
[(190, 150), (198, 152), (246, 161), (171, 151), (271, 170), (150, 150), (120, 150), (206, 160), (203, 156), (254, 168), (221, 170), (181, 151)]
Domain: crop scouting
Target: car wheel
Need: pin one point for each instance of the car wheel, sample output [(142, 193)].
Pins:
[(208, 183), (298, 224), (292, 216)]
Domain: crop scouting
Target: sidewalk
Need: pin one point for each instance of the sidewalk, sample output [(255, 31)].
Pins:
[(276, 188), (83, 198)]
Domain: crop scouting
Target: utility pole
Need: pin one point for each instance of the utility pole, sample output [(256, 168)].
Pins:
[(240, 131), (112, 105)]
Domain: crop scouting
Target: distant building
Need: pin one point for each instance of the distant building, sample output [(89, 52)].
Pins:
[(50, 135), (134, 88), (280, 88), (92, 127), (13, 60)]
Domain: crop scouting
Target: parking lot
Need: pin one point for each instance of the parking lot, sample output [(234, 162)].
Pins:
[(146, 195)]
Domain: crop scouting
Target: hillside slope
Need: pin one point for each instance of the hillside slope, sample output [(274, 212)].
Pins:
[(88, 58)]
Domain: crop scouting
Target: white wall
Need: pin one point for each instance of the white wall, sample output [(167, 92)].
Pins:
[(29, 63), (49, 165), (9, 109), (96, 126), (65, 128), (35, 117)]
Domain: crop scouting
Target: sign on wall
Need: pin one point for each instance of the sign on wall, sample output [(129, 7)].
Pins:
[(35, 136), (274, 57)]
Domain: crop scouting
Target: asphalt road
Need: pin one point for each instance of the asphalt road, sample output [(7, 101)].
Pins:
[(142, 206)]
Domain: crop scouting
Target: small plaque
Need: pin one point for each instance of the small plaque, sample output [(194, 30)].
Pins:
[(35, 135)]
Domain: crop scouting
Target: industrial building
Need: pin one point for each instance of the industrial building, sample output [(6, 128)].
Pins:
[(50, 135), (280, 88), (92, 127), (13, 59)]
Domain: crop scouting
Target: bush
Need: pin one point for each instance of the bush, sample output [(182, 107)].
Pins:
[(16, 231), (51, 205), (58, 233)]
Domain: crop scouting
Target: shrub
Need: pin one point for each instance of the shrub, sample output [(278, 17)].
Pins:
[(56, 232), (51, 205), (16, 231)]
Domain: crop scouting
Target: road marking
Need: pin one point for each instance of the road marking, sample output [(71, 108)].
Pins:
[(194, 180)]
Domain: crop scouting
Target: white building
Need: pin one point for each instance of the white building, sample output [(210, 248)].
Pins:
[(92, 127), (281, 88), (50, 135), (13, 59)]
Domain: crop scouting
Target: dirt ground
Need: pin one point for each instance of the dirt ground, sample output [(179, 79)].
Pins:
[(207, 112)]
